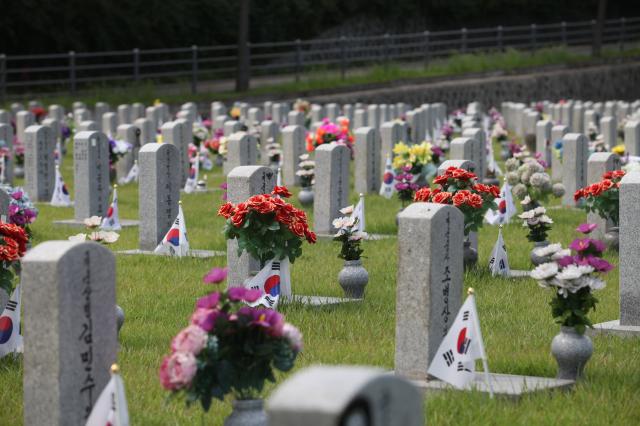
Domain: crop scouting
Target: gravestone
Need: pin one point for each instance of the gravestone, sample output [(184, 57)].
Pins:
[(172, 133), (6, 141), (70, 337), (219, 121), (332, 111), (391, 133), (632, 137), (87, 125), (543, 140), (597, 165), (590, 118), (254, 116), (217, 109), (153, 114), (575, 148), (39, 163), (373, 117), (147, 132), (359, 118), (332, 186), (131, 134), (24, 119), (110, 124), (278, 113), (367, 161), (244, 182), (5, 117), (100, 109), (187, 133), (609, 130), (429, 283), (557, 134), (629, 323), (91, 174), (138, 110), (347, 111), (478, 135), (296, 118), (124, 114), (56, 112), (231, 127), (159, 191), (466, 148), (293, 146), (610, 108), (385, 113), (567, 115), (267, 107), (345, 395), (317, 113), (269, 132), (242, 150), (578, 117)]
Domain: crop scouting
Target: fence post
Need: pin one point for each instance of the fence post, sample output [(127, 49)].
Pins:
[(298, 59), (3, 77), (534, 42), (343, 56), (386, 50), (463, 40), (563, 32), (426, 49), (72, 72), (594, 31), (194, 69), (136, 64), (499, 40), (623, 32)]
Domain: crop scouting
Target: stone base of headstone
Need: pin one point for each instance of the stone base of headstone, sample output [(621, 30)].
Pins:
[(125, 223), (614, 328), (202, 190), (504, 385), (518, 273), (320, 300), (192, 253), (377, 237)]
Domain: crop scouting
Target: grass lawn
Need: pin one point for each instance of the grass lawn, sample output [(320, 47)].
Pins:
[(158, 295)]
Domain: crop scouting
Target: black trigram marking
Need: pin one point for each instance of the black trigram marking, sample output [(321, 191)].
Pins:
[(448, 357), (275, 266), (270, 301), (465, 316), (461, 367), (502, 265), (12, 305)]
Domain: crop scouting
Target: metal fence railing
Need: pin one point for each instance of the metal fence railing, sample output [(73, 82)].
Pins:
[(73, 71)]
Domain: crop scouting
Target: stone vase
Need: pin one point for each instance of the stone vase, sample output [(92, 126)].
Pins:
[(353, 279), (469, 255), (305, 196), (247, 412), (18, 171), (535, 259), (612, 238), (571, 350), (119, 317)]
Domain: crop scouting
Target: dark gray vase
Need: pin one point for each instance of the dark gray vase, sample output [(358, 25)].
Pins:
[(353, 279), (469, 255), (571, 350), (119, 317), (612, 238), (248, 412), (305, 196), (539, 260), (219, 160)]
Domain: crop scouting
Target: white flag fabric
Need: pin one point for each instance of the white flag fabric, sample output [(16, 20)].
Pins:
[(358, 213), (110, 408), (192, 180), (268, 282), (3, 168), (175, 242), (10, 338), (498, 262), (132, 176), (387, 188), (506, 207), (58, 153), (111, 221), (454, 362), (60, 197)]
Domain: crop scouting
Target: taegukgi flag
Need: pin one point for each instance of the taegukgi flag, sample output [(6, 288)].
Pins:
[(175, 242), (268, 282), (132, 176), (498, 262), (358, 213), (506, 207), (111, 221), (454, 362), (192, 180), (10, 338), (387, 188), (110, 408), (60, 197)]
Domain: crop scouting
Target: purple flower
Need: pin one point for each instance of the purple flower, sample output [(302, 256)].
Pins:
[(209, 301), (206, 318), (402, 186), (17, 195), (237, 294), (270, 320), (586, 228), (215, 276), (599, 264), (565, 261)]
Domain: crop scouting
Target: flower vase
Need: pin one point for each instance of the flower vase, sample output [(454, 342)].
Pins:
[(571, 350), (470, 255), (535, 259), (247, 412), (612, 238), (353, 279), (305, 196), (113, 176), (119, 317), (18, 171)]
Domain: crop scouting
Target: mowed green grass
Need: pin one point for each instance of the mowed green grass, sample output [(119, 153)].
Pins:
[(158, 295)]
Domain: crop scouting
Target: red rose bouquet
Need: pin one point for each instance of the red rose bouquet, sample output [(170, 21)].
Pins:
[(459, 187), (602, 197), (267, 227), (13, 246)]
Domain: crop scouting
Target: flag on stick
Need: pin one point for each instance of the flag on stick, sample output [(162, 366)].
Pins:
[(111, 221), (132, 175), (499, 263), (175, 242), (358, 213), (387, 188), (111, 408), (10, 338), (60, 197), (192, 180), (268, 282)]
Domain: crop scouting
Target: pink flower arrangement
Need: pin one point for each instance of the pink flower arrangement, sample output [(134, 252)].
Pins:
[(330, 132)]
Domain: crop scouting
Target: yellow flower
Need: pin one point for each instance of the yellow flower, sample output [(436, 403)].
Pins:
[(159, 138), (235, 112), (400, 148), (157, 102), (618, 149), (399, 162)]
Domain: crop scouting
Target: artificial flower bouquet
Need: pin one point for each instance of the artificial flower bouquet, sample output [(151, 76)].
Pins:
[(306, 171), (405, 185), (13, 246), (22, 211), (602, 197), (94, 233), (538, 223), (267, 227), (329, 132), (459, 187), (419, 158), (229, 347), (528, 179), (349, 234)]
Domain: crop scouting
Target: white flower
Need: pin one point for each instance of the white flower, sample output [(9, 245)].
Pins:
[(358, 236), (304, 157), (339, 222), (109, 237), (560, 254), (595, 283), (526, 200), (347, 210), (547, 250), (529, 214), (78, 238), (349, 222), (545, 219), (538, 211), (573, 272), (544, 271), (93, 221)]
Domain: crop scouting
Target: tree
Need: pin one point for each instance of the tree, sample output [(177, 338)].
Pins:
[(242, 74)]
